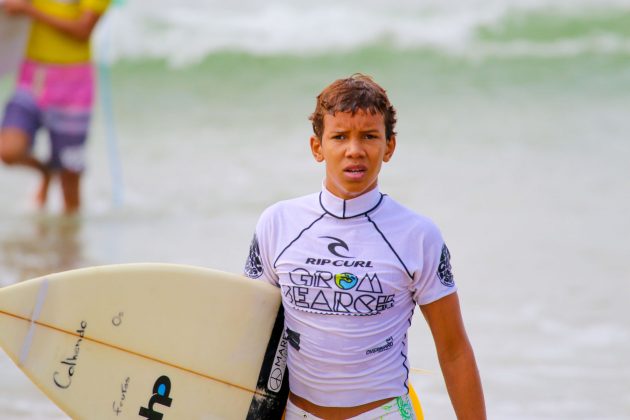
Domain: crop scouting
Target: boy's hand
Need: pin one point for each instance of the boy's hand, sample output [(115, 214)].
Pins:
[(15, 7)]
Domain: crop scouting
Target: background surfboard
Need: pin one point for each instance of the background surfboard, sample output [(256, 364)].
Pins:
[(13, 37), (141, 340)]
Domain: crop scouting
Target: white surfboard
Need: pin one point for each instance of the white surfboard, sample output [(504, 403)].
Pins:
[(13, 37), (149, 340)]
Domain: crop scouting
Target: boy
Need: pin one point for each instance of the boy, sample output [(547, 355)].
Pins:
[(351, 265), (55, 90)]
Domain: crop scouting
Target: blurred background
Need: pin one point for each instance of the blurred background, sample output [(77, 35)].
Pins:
[(512, 136)]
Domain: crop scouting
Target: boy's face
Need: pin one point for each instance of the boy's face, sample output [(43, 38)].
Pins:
[(353, 147)]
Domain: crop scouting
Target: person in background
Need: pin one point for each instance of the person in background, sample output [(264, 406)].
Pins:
[(351, 265), (55, 91)]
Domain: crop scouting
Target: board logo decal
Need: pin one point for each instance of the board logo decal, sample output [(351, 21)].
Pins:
[(161, 392), (253, 265), (444, 269), (272, 387), (293, 338), (276, 376)]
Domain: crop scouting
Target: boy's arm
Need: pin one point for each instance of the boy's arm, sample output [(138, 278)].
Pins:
[(80, 29), (456, 357)]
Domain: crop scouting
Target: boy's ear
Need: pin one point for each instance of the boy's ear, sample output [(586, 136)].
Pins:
[(389, 148), (316, 148)]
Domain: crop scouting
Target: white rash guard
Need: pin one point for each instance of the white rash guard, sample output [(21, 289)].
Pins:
[(350, 274)]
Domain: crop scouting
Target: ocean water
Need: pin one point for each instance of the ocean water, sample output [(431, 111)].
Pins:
[(512, 136)]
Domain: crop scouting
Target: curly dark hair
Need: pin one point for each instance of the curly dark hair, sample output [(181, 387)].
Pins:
[(357, 92)]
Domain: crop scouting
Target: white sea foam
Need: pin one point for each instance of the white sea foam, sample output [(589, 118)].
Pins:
[(186, 32)]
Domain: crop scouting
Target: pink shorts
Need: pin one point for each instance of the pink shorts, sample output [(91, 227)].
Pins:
[(58, 98), (66, 86)]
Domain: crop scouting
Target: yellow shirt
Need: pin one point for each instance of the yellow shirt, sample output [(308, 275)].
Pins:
[(49, 45)]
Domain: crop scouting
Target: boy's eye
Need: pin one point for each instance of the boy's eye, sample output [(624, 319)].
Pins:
[(338, 137)]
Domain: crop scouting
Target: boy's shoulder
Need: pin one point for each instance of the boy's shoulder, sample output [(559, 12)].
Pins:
[(292, 207), (394, 207), (401, 217)]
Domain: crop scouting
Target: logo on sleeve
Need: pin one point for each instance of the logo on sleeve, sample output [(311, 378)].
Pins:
[(253, 265), (444, 269)]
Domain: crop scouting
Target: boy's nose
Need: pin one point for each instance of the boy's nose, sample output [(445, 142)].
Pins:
[(355, 147)]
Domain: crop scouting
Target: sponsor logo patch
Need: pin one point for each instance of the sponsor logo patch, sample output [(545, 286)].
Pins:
[(389, 343), (253, 265), (338, 248), (334, 246), (444, 269)]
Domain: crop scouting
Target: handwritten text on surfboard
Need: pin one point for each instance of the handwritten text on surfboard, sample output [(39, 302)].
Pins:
[(161, 392), (123, 395), (64, 380)]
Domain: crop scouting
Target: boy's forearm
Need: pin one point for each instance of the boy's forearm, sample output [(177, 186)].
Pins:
[(80, 28), (464, 386)]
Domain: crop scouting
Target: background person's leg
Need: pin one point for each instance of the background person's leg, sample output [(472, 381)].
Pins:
[(70, 186), (15, 148)]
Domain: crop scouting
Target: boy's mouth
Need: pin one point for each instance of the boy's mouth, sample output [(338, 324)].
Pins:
[(355, 171)]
